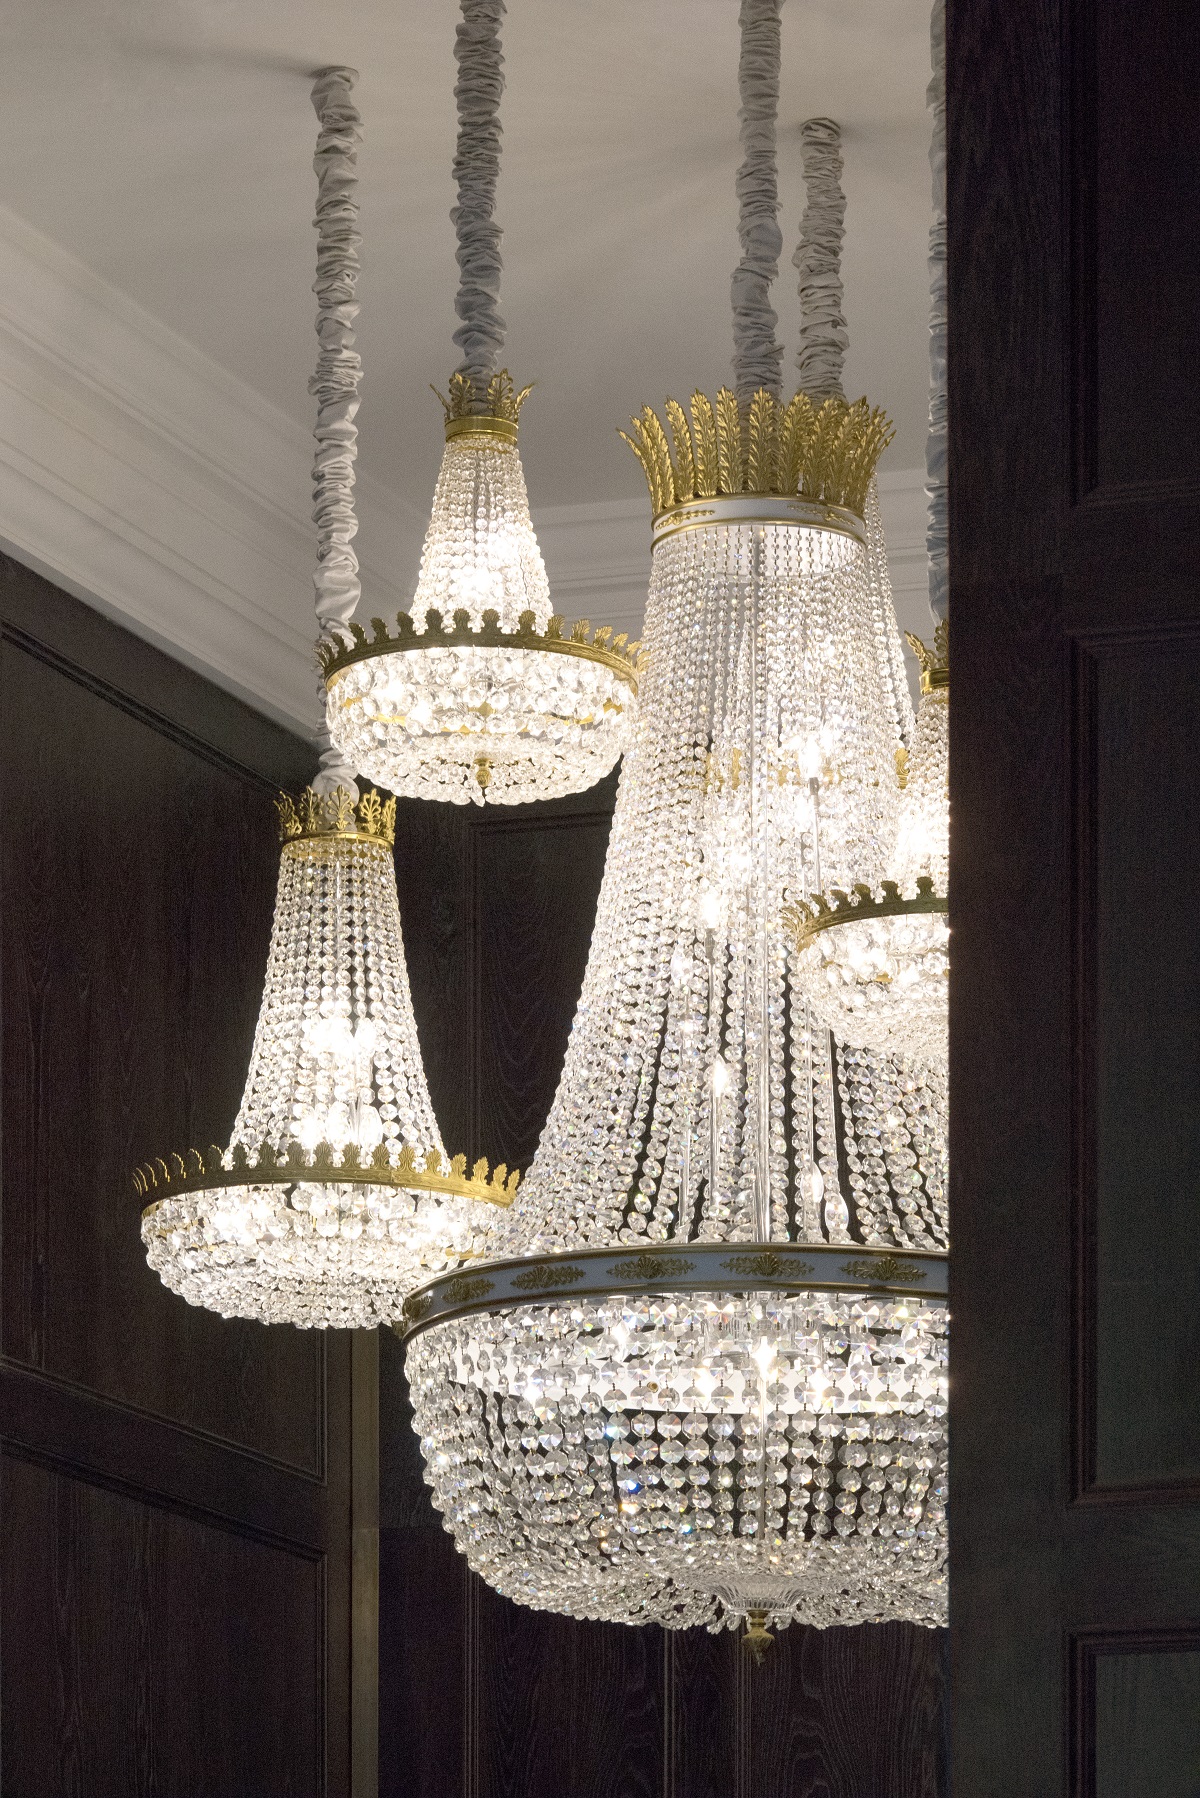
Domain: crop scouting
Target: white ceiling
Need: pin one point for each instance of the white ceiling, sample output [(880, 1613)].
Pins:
[(169, 147), (166, 146)]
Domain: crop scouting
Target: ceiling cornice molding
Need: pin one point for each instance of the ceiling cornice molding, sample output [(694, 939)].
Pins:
[(152, 483), (147, 480)]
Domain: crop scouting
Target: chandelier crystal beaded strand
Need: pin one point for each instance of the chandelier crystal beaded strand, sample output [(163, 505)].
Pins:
[(702, 1378), (873, 964), (479, 692), (334, 1196)]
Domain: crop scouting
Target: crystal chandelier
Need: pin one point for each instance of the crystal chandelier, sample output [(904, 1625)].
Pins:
[(873, 964), (702, 1376), (479, 693), (334, 1195)]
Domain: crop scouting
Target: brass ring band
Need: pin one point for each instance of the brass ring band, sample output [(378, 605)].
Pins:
[(482, 424), (757, 508)]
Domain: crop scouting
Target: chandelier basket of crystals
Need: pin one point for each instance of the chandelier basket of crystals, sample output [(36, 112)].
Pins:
[(873, 963), (334, 1196), (479, 692), (700, 1378)]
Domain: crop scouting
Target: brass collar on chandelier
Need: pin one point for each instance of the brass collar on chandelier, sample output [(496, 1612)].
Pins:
[(935, 662), (700, 1267), (157, 1180), (816, 449), (321, 817), (809, 917), (351, 644), (756, 508), (483, 409)]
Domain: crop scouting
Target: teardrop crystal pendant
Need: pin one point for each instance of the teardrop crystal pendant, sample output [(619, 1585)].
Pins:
[(334, 1196), (479, 693), (707, 1381), (874, 963)]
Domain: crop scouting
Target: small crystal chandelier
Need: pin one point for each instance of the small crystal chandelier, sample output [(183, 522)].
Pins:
[(873, 964), (479, 692), (334, 1196), (702, 1376)]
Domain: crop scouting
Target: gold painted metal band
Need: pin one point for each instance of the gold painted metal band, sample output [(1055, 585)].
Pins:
[(756, 508), (194, 1172), (482, 424), (507, 640), (808, 919), (935, 680)]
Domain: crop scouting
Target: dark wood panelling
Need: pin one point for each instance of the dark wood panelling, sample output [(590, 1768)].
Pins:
[(1137, 192), (566, 1706), (856, 1712), (135, 1636), (535, 884), (139, 886), (1134, 1702), (1074, 159), (179, 1511), (1139, 872)]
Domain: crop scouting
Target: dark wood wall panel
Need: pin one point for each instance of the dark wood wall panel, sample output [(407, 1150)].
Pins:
[(565, 1706), (1143, 196), (1073, 173), (194, 1619), (140, 889), (177, 1491), (535, 882), (1141, 956)]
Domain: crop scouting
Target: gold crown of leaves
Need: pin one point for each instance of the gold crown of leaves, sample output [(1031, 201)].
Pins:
[(822, 450), (350, 643), (194, 1172), (312, 815), (935, 662), (806, 918), (493, 407)]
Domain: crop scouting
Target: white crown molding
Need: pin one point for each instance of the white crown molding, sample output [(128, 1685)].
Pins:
[(143, 477)]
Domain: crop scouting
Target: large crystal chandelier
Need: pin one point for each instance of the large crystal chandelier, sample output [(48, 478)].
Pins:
[(702, 1376), (479, 692), (334, 1195)]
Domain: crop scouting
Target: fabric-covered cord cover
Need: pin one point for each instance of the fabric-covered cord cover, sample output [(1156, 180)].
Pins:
[(339, 370), (937, 538), (476, 168), (818, 257), (757, 355)]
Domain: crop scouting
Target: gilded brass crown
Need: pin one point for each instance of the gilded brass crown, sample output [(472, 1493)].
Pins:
[(350, 643), (487, 408), (312, 815), (808, 917), (194, 1172), (820, 450), (935, 662)]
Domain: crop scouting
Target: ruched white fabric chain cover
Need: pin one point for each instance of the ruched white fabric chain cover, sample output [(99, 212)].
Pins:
[(473, 722), (701, 1457), (335, 1061)]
